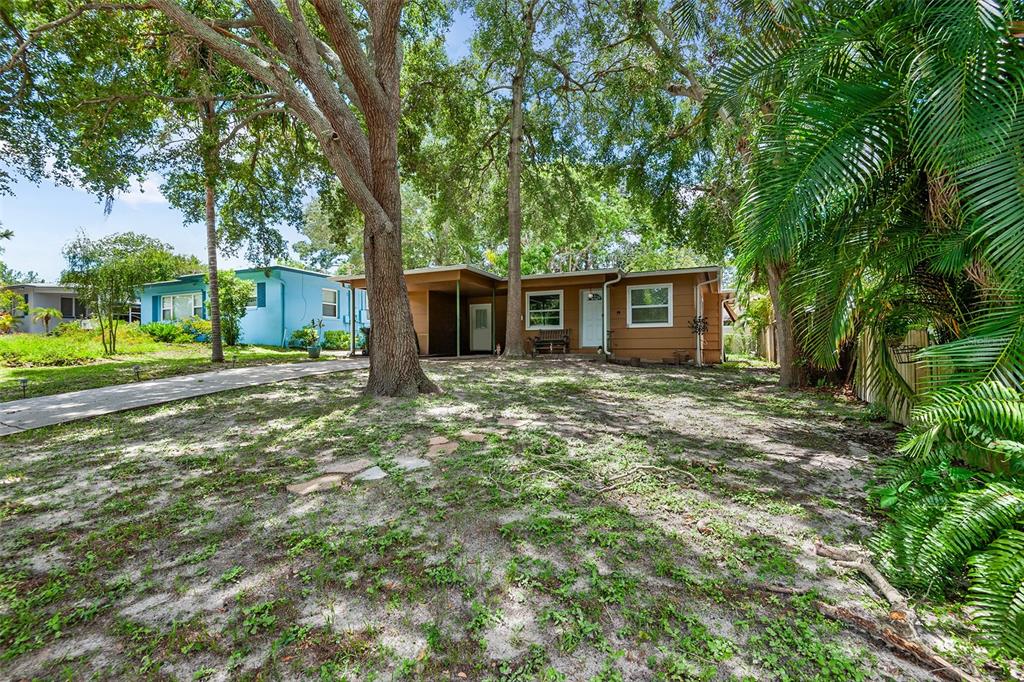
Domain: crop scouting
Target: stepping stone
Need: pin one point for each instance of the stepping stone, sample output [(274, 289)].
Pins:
[(442, 449), (472, 437), (317, 484), (371, 474), (411, 463), (348, 466), (437, 440)]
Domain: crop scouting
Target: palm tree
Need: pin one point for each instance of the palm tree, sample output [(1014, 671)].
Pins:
[(886, 190), (45, 315)]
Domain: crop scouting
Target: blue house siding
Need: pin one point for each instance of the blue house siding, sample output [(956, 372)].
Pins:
[(286, 299)]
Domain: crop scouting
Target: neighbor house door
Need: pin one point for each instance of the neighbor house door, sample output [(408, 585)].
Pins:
[(591, 315), (480, 327)]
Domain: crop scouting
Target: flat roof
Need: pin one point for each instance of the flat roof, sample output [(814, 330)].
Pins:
[(542, 275), (176, 280), (421, 271), (193, 275), (573, 273), (289, 268), (41, 285), (679, 271)]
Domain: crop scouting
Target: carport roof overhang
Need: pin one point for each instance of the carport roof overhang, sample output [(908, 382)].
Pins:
[(469, 280), (443, 278)]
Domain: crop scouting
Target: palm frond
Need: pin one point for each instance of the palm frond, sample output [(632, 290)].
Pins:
[(997, 591)]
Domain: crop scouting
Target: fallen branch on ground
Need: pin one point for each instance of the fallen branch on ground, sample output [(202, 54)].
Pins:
[(616, 481), (619, 479), (911, 649), (899, 609)]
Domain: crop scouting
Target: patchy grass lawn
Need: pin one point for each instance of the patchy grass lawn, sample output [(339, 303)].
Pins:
[(159, 360), (614, 524)]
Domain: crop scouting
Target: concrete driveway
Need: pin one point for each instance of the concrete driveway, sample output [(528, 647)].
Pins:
[(33, 413)]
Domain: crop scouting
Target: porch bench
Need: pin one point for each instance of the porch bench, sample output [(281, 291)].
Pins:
[(551, 340)]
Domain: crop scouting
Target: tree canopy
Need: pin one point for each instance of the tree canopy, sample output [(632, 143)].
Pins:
[(109, 272)]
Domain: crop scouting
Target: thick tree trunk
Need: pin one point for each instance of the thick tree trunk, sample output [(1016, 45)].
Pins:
[(362, 150), (394, 359), (209, 171), (394, 363), (514, 345), (790, 372)]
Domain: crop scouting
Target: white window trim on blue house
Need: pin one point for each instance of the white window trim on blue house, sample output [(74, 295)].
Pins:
[(324, 302), (167, 305)]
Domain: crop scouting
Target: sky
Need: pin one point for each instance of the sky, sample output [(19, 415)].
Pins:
[(45, 217)]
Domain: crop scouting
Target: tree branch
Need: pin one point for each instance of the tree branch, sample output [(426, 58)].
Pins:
[(346, 45), (34, 33)]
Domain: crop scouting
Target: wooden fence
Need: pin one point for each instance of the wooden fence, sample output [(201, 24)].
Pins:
[(766, 347), (915, 373)]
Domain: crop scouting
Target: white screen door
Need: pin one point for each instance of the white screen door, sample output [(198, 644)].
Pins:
[(591, 314), (480, 327)]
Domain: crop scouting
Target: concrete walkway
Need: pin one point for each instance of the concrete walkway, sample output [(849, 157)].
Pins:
[(33, 413)]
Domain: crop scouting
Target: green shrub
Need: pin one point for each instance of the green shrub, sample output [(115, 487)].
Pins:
[(197, 328), (234, 298), (305, 336), (184, 331), (72, 329), (166, 332), (956, 506), (336, 339)]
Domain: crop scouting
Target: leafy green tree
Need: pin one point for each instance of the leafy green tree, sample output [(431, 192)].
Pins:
[(46, 316), (885, 192), (109, 272), (542, 54), (235, 295), (337, 70), (223, 143)]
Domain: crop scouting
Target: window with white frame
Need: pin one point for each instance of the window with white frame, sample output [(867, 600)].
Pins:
[(544, 310), (329, 302), (649, 305), (181, 306)]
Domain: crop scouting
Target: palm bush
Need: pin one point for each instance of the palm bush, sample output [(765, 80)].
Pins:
[(887, 183)]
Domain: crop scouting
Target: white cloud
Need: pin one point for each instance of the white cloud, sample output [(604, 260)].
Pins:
[(146, 193)]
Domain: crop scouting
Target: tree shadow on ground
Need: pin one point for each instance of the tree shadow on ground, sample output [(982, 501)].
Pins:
[(614, 510)]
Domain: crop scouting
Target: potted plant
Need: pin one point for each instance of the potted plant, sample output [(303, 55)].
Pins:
[(311, 336)]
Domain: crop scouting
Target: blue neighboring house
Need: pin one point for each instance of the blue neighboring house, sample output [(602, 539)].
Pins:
[(286, 299)]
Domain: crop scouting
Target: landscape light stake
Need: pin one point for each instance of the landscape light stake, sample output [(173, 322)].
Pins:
[(24, 386), (137, 371)]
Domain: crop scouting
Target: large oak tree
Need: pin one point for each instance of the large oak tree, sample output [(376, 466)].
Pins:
[(336, 67)]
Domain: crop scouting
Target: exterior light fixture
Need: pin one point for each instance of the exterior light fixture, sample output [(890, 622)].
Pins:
[(138, 370), (24, 386)]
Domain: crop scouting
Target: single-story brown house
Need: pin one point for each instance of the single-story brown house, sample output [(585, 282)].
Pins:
[(460, 309)]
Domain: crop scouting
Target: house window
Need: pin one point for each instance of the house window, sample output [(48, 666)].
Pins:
[(20, 310), (544, 310), (181, 306), (329, 303), (650, 305)]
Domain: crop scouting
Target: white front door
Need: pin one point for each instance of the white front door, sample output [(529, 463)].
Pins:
[(480, 327), (591, 316)]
